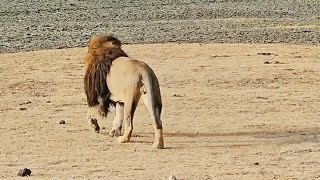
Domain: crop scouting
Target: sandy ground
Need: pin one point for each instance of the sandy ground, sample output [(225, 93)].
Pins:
[(226, 108)]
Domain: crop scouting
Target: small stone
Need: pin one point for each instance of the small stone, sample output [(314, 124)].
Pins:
[(23, 108), (24, 172), (62, 122), (172, 177), (256, 163), (265, 53), (28, 102)]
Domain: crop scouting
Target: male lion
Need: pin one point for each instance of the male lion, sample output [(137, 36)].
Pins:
[(112, 78)]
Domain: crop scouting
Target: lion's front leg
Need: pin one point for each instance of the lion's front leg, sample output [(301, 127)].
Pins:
[(118, 120)]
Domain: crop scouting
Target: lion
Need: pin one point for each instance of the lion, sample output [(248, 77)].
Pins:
[(114, 79)]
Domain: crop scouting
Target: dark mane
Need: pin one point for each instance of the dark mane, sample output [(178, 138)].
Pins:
[(102, 51)]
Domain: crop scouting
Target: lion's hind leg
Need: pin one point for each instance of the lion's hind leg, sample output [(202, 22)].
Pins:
[(155, 113)]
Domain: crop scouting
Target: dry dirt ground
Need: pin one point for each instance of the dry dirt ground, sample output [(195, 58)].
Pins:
[(231, 111)]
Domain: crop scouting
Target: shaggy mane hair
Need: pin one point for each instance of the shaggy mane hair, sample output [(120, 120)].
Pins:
[(102, 50)]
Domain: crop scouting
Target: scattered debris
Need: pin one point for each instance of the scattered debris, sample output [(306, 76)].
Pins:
[(260, 97), (217, 56), (28, 102), (62, 122), (24, 172), (275, 62), (266, 54), (177, 95), (289, 69)]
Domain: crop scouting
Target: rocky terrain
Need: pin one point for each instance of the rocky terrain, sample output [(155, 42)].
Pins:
[(57, 24)]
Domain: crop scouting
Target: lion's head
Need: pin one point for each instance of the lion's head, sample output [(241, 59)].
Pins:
[(103, 47), (102, 50)]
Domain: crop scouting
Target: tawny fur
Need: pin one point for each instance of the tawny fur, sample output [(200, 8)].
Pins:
[(128, 81)]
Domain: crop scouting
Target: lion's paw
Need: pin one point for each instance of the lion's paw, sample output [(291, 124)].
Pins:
[(122, 139), (95, 125), (115, 132), (112, 132), (156, 145)]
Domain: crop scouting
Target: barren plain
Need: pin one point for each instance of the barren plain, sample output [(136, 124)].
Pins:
[(226, 108)]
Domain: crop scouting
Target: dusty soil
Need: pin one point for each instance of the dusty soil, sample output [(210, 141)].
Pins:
[(53, 24), (232, 111)]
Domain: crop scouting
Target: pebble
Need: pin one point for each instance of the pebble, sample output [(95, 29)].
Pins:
[(24, 172), (172, 177)]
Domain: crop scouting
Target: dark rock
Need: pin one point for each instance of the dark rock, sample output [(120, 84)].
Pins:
[(266, 54), (24, 172), (62, 122), (28, 102)]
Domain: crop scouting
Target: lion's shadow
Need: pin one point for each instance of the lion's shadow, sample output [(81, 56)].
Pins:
[(236, 139)]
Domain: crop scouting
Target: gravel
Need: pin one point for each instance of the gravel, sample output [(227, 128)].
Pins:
[(52, 24)]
